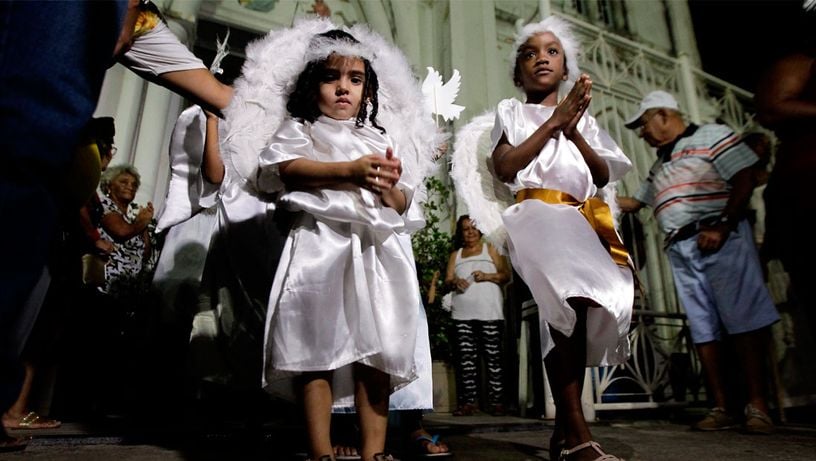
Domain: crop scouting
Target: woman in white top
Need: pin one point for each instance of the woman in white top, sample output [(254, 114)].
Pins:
[(476, 271)]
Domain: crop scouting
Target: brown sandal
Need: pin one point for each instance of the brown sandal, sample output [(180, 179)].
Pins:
[(591, 444)]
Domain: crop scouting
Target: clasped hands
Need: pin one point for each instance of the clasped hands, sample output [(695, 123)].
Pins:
[(476, 276), (377, 173), (569, 111)]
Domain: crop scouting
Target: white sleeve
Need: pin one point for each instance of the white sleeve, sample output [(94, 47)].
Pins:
[(290, 142), (159, 51)]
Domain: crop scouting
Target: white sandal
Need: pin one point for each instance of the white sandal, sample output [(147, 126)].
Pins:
[(595, 446)]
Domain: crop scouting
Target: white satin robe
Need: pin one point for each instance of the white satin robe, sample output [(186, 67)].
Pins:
[(345, 290), (553, 247)]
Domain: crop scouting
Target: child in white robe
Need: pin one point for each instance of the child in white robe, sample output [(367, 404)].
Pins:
[(345, 290), (554, 157)]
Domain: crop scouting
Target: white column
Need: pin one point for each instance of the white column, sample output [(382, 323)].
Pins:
[(121, 98), (375, 16), (152, 140), (474, 54), (407, 26), (544, 8), (689, 88), (682, 30), (186, 10)]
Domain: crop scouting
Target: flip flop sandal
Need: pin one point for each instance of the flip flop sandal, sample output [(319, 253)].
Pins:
[(34, 421), (591, 444), (421, 450)]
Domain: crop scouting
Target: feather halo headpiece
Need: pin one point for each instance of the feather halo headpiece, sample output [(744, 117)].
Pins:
[(562, 31), (269, 75)]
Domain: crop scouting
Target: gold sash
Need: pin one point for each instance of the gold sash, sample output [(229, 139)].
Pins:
[(596, 212)]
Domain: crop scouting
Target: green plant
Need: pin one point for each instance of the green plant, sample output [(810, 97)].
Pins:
[(432, 247)]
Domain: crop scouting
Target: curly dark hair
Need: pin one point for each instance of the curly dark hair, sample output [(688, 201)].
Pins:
[(303, 100)]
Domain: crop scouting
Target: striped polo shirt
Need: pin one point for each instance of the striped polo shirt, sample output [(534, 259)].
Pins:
[(689, 180)]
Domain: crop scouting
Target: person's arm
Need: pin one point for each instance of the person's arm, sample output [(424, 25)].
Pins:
[(779, 96), (199, 85), (379, 174), (121, 230), (451, 279), (502, 274), (212, 166), (629, 204), (713, 236), (92, 233)]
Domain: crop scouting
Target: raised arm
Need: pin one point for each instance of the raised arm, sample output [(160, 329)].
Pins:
[(508, 160), (121, 230), (597, 165), (212, 166), (199, 85)]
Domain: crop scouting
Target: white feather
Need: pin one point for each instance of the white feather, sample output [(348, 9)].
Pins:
[(269, 74), (485, 196), (439, 97)]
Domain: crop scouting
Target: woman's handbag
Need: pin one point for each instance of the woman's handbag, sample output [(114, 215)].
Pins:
[(93, 269)]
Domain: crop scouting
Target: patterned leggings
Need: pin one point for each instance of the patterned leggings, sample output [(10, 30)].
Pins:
[(472, 338)]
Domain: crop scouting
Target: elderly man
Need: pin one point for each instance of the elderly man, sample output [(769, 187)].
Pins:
[(698, 188)]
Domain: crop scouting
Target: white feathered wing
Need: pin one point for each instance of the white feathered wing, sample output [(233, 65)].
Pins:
[(472, 171), (270, 72)]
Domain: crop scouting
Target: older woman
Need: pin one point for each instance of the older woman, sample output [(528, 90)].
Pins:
[(121, 318), (476, 271), (128, 226)]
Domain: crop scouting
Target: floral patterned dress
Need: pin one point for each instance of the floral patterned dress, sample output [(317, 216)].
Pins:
[(128, 270)]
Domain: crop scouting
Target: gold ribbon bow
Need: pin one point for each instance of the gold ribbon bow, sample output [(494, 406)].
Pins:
[(596, 212)]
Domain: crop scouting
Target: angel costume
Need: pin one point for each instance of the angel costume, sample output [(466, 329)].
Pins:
[(553, 247), (344, 283), (346, 288)]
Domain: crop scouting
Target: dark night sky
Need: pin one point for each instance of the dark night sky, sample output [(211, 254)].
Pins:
[(738, 39)]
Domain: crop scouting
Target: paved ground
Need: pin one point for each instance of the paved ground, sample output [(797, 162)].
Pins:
[(477, 438)]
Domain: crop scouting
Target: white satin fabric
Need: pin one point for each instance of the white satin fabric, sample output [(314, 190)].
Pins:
[(553, 247), (560, 164), (346, 289), (417, 395)]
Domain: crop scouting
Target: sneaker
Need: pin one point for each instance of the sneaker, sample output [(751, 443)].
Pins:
[(716, 420), (757, 422)]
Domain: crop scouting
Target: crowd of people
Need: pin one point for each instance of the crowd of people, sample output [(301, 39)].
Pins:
[(302, 216)]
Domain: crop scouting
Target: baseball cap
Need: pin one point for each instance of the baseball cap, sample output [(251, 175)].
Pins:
[(653, 100)]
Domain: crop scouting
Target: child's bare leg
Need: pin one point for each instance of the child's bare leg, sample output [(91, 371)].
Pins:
[(371, 398), (317, 403), (566, 365)]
